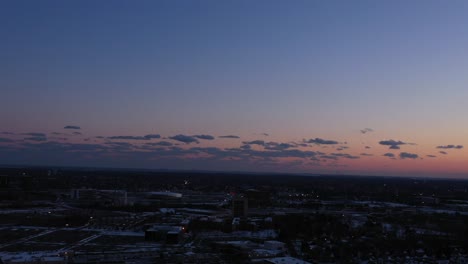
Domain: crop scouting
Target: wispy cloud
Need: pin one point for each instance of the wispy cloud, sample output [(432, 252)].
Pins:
[(35, 134), (342, 148), (394, 144), (229, 136), (71, 127), (147, 149), (152, 136), (184, 138), (366, 130), (205, 137), (146, 137), (161, 143), (344, 155), (329, 157), (255, 142), (450, 147), (127, 138), (278, 146), (320, 141), (36, 138), (406, 155)]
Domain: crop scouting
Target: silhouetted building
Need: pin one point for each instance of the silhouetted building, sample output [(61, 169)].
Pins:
[(4, 181), (100, 197), (257, 198), (239, 206)]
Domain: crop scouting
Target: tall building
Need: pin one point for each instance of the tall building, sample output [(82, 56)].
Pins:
[(239, 206), (4, 181)]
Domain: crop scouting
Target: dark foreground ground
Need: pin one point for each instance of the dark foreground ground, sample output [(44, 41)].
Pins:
[(70, 215)]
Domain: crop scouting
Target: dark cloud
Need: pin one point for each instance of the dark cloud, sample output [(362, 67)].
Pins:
[(288, 153), (245, 147), (366, 130), (5, 140), (246, 151), (242, 153), (450, 147), (152, 136), (36, 138), (161, 143), (34, 134), (390, 155), (278, 146), (121, 153), (342, 148), (229, 136), (367, 147), (330, 157), (57, 133), (76, 133), (120, 145), (394, 144), (84, 147), (146, 137), (7, 133), (315, 159), (391, 142), (406, 155), (72, 127), (265, 134), (205, 137), (58, 138), (185, 139), (344, 155), (320, 141), (100, 137), (128, 137), (431, 156), (254, 142), (443, 152), (336, 156), (53, 146), (366, 154), (208, 150)]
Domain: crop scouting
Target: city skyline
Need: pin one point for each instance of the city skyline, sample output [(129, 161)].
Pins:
[(362, 87)]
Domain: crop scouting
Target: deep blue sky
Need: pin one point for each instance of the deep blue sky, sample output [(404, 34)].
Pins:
[(292, 69)]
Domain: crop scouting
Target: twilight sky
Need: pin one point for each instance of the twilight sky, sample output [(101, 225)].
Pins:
[(352, 87)]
